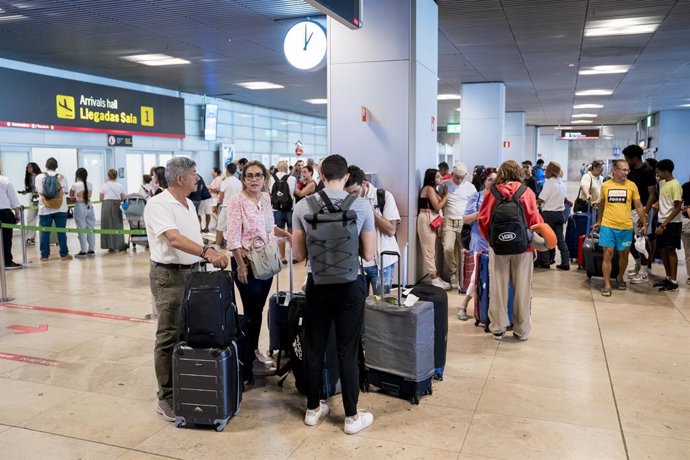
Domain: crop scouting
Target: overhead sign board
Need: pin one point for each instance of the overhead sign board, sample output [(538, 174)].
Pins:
[(453, 128), (35, 101), (118, 140), (347, 12), (582, 134)]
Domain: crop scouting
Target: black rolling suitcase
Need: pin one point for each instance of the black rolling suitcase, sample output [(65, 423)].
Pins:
[(278, 308), (398, 345), (593, 256), (439, 298), (207, 385)]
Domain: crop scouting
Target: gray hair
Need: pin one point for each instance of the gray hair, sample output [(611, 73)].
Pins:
[(177, 167)]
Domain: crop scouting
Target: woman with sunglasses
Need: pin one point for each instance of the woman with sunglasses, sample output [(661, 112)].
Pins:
[(250, 221)]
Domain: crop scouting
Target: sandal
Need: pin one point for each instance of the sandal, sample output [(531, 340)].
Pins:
[(622, 285), (462, 313), (606, 292)]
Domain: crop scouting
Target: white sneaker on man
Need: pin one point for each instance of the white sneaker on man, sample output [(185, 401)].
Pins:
[(438, 282), (263, 358), (640, 278), (364, 419), (311, 417)]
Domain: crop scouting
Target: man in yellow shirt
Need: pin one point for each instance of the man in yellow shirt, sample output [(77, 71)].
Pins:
[(615, 222)]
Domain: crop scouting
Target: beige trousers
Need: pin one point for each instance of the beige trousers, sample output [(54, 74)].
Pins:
[(427, 238), (451, 240), (518, 269)]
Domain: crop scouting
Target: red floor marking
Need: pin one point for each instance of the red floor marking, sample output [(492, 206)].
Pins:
[(91, 314), (30, 359), (21, 329)]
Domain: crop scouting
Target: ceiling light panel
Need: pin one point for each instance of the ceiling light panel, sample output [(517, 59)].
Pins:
[(155, 59), (588, 106), (448, 97), (581, 122), (594, 92), (605, 69), (623, 26), (584, 115), (317, 101), (257, 85)]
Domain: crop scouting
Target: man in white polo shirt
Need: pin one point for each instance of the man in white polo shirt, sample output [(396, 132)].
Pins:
[(459, 193), (230, 187), (176, 247)]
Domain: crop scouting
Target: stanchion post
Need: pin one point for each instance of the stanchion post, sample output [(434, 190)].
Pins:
[(3, 281), (22, 221)]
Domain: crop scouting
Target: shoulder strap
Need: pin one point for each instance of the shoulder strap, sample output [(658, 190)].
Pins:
[(313, 202), (381, 198), (496, 193), (518, 193), (327, 201), (347, 202)]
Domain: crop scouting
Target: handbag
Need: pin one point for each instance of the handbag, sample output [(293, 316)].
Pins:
[(466, 235), (264, 260), (582, 205), (436, 223)]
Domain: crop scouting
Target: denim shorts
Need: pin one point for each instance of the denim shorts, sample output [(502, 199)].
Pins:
[(615, 238), (283, 218)]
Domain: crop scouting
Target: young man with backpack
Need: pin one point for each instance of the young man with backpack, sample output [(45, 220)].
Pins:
[(52, 208), (386, 219), (508, 212), (282, 189), (333, 229)]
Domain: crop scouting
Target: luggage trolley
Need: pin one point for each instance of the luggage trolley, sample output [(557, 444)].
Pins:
[(135, 217)]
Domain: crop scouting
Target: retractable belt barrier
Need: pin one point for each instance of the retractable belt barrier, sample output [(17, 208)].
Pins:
[(23, 228), (69, 205)]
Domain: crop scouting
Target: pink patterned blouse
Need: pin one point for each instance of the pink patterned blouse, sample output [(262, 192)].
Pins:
[(246, 221)]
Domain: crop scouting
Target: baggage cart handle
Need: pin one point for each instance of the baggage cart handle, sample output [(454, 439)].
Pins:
[(394, 254)]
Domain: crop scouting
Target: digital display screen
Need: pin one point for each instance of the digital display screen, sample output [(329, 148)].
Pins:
[(347, 12), (210, 121), (580, 134)]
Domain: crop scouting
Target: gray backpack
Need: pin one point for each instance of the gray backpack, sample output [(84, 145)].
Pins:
[(332, 240)]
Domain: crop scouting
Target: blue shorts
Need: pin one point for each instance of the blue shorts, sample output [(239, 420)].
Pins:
[(614, 238), (283, 218)]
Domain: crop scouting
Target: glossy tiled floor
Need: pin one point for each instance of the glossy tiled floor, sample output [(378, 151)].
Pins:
[(599, 378)]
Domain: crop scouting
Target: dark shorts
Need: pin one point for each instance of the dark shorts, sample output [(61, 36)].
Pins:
[(283, 219), (671, 236)]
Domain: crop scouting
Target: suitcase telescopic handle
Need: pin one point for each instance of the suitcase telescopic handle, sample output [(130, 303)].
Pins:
[(394, 254)]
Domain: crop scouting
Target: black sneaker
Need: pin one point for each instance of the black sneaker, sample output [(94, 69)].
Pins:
[(563, 267), (13, 266), (498, 335), (661, 283), (81, 254), (90, 253), (670, 287)]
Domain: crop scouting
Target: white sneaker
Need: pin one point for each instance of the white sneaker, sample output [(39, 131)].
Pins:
[(364, 419), (640, 278), (438, 282), (635, 269), (263, 358), (454, 285), (311, 417), (262, 369)]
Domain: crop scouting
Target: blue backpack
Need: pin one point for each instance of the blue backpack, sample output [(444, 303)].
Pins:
[(52, 191)]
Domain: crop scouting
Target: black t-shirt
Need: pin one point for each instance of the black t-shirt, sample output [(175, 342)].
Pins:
[(531, 182), (644, 178), (686, 193)]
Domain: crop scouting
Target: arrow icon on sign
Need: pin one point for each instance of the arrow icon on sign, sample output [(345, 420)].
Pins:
[(28, 329)]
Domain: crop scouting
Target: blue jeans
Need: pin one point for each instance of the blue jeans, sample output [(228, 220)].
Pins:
[(371, 277), (60, 220)]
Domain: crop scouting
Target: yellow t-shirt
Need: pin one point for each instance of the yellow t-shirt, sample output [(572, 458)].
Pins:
[(618, 200)]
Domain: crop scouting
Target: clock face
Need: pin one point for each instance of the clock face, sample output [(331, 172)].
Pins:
[(305, 45)]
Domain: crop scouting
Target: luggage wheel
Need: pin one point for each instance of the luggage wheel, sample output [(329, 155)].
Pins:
[(414, 400), (220, 426), (180, 422)]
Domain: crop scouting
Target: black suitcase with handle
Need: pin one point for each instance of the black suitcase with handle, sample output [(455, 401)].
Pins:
[(207, 385)]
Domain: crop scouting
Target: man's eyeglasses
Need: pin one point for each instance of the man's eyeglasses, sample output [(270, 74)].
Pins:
[(251, 176)]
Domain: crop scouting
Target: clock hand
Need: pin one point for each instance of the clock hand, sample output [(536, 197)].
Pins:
[(306, 42)]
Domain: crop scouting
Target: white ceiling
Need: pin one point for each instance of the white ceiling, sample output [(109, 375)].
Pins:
[(528, 44)]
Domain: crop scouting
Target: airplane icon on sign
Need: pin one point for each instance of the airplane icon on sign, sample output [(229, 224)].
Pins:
[(65, 106)]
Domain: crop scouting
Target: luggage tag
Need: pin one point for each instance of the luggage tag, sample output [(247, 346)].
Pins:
[(410, 300)]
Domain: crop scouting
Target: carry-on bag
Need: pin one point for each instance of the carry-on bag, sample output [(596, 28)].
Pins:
[(208, 314), (294, 331), (398, 344), (439, 297), (207, 388), (465, 269), (591, 216), (278, 306), (578, 224), (593, 257), (481, 302)]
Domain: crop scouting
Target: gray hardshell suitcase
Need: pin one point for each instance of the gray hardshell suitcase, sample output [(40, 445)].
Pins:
[(399, 345), (207, 387)]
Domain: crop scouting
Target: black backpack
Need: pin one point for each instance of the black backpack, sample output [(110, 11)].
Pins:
[(281, 200), (208, 315), (332, 239), (508, 232), (380, 199)]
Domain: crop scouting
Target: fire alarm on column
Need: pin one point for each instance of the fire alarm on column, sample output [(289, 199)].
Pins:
[(364, 114)]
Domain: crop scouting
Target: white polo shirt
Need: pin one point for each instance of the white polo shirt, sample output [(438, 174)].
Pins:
[(162, 213), (383, 242), (458, 196), (230, 187), (553, 195), (8, 196)]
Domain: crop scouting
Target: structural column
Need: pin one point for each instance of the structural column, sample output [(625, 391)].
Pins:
[(514, 137), (673, 142), (482, 122), (382, 86)]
